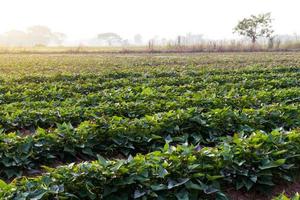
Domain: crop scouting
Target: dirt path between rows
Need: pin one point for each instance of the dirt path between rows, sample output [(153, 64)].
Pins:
[(288, 188)]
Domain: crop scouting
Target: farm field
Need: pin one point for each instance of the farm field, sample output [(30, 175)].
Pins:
[(149, 126)]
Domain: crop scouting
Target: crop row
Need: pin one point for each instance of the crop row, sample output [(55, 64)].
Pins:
[(62, 90), (163, 71), (176, 172), (112, 135), (28, 113), (44, 114)]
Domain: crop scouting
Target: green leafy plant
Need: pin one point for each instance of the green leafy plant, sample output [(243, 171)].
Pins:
[(284, 197), (174, 172)]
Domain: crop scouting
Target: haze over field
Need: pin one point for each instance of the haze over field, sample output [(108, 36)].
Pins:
[(83, 19)]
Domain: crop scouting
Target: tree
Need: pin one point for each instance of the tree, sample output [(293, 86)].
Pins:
[(39, 35), (255, 27), (138, 39), (35, 35), (110, 38)]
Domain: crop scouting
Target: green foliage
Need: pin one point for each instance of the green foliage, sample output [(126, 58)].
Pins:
[(106, 135), (180, 132), (110, 38), (182, 172), (284, 197), (255, 27)]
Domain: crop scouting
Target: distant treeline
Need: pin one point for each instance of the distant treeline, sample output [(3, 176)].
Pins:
[(39, 38), (33, 36)]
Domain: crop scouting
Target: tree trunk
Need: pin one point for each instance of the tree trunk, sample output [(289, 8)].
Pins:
[(253, 43), (179, 41)]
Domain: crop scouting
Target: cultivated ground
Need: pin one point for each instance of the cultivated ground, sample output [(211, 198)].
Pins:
[(149, 126)]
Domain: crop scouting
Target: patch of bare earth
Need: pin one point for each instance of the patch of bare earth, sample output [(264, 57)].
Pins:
[(288, 188)]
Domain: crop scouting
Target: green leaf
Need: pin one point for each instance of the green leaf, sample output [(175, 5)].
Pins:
[(221, 196), (193, 186), (273, 164), (176, 183), (4, 186), (88, 151), (280, 152), (138, 194), (102, 160), (182, 195), (117, 165), (212, 178), (162, 172), (37, 195), (147, 91), (253, 179), (158, 187), (248, 184)]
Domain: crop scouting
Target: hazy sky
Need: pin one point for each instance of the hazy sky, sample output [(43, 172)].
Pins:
[(85, 18)]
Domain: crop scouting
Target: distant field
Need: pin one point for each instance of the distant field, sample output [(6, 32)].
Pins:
[(20, 65), (149, 126), (205, 47)]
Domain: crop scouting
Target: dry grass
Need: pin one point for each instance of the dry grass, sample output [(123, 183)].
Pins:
[(205, 46)]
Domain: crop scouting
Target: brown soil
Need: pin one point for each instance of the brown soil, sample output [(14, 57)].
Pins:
[(288, 188), (26, 132)]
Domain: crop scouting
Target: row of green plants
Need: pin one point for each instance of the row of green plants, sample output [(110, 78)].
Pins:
[(46, 114), (134, 108), (19, 65), (235, 93), (60, 91), (175, 172), (141, 71), (120, 135), (29, 114), (147, 76)]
